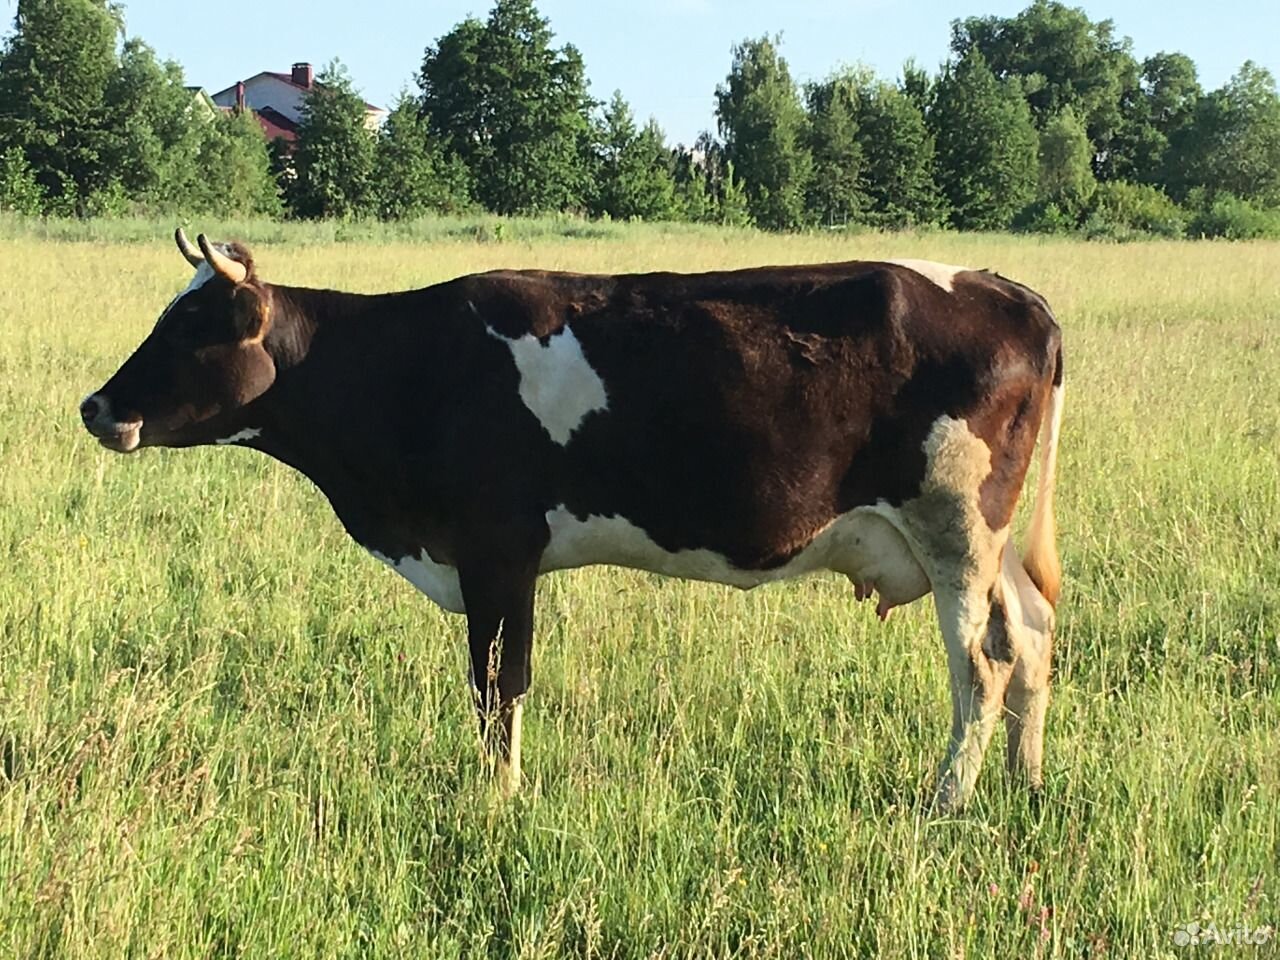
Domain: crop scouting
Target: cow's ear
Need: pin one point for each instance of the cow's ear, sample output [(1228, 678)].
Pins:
[(252, 311)]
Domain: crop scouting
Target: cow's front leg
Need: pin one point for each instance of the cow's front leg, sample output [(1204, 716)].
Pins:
[(499, 599)]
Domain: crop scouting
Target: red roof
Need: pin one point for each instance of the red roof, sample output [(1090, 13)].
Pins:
[(276, 125)]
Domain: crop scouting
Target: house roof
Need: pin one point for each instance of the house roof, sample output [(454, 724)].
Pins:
[(288, 78), (276, 125)]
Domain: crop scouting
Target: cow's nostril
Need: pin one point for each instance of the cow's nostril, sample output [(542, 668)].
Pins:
[(89, 409)]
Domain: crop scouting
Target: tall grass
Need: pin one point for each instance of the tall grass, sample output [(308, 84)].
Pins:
[(226, 731)]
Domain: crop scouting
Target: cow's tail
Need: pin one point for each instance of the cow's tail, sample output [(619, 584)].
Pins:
[(1040, 559)]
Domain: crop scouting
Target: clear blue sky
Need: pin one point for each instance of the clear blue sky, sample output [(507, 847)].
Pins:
[(665, 55)]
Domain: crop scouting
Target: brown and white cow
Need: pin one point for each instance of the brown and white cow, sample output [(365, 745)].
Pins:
[(871, 418)]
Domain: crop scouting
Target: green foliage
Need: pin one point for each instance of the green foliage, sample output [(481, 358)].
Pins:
[(763, 125), (234, 177), (634, 179), (412, 175), (708, 189), (1033, 113), (693, 198), (1065, 172), (333, 159), (987, 145), (917, 85), (733, 208), (54, 72), (1221, 214), (898, 160), (1119, 210), (19, 192), (1045, 216), (1232, 143), (835, 194), (155, 129), (1064, 60), (512, 108)]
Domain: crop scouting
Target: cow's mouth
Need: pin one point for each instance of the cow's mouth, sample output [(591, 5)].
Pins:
[(122, 437)]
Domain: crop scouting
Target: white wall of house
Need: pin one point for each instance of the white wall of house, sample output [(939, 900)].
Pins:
[(265, 91)]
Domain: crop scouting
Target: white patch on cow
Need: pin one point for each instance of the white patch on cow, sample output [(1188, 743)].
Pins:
[(942, 274), (944, 524), (437, 580), (864, 544), (557, 383), (248, 433), (204, 273)]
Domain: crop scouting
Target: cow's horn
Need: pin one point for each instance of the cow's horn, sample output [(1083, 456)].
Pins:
[(233, 270), (186, 248)]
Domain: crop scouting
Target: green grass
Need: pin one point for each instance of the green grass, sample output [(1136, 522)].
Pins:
[(227, 731)]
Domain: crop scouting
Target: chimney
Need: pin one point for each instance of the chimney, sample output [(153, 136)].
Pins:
[(303, 75), (240, 96)]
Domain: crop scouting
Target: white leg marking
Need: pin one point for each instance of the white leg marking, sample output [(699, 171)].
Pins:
[(509, 752), (246, 434), (943, 274), (557, 383), (437, 580)]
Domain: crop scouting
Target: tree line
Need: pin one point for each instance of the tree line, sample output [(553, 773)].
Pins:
[(1044, 121)]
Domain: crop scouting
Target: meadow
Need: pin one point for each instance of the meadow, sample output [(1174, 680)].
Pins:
[(225, 730)]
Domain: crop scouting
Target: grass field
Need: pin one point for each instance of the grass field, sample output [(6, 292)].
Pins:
[(227, 731)]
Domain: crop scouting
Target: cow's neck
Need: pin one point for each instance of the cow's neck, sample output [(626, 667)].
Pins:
[(325, 415)]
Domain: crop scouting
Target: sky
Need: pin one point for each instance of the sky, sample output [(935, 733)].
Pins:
[(666, 56)]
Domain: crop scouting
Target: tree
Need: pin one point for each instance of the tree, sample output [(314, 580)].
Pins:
[(233, 170), (693, 199), (634, 181), (763, 126), (54, 71), (987, 145), (1063, 59), (1065, 174), (898, 159), (1232, 143), (835, 194), (153, 133), (412, 175), (334, 155), (917, 84), (512, 108), (19, 192)]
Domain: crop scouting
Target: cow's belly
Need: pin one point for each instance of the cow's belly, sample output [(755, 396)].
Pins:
[(439, 581), (863, 544)]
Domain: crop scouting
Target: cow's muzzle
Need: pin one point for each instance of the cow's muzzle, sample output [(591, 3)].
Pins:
[(121, 436)]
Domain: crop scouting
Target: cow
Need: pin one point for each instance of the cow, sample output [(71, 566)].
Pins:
[(875, 419)]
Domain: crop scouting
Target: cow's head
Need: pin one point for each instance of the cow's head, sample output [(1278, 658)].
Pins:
[(204, 361)]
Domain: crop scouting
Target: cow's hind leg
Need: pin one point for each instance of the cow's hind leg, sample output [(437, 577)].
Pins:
[(1030, 624), (960, 552), (1026, 703), (980, 662)]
